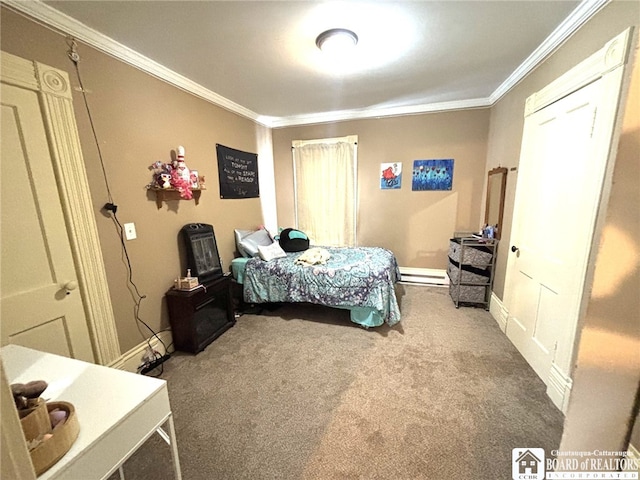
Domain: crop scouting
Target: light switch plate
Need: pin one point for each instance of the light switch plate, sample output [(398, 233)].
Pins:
[(130, 231)]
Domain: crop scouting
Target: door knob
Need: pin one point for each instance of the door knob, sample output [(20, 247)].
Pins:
[(514, 249), (72, 285)]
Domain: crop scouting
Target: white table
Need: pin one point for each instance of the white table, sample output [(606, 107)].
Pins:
[(117, 410)]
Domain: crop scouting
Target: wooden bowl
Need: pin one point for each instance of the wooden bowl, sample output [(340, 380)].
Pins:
[(35, 422), (45, 455)]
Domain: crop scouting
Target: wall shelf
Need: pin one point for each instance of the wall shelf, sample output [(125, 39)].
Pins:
[(163, 194)]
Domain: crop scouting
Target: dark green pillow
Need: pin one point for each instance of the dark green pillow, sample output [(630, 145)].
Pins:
[(292, 240)]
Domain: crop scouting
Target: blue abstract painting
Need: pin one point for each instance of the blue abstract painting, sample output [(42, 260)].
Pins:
[(432, 174)]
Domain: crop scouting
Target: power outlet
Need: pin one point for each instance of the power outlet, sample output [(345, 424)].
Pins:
[(130, 231)]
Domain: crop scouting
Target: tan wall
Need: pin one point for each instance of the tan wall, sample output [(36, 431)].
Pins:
[(139, 120), (416, 226), (507, 116)]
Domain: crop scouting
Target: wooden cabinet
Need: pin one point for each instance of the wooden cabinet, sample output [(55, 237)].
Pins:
[(200, 316), (471, 270)]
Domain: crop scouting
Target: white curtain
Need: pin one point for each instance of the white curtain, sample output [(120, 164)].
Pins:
[(325, 189)]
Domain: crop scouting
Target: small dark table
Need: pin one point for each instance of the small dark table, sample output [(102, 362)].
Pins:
[(200, 316)]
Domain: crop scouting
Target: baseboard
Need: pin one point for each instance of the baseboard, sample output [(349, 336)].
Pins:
[(131, 360), (559, 388), (424, 276), (499, 312)]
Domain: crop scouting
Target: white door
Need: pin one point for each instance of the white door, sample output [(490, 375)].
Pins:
[(566, 156), (41, 305), (553, 224)]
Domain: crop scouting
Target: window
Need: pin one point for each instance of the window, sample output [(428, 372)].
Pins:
[(325, 189)]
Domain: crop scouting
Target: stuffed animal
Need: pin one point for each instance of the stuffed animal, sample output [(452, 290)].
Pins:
[(161, 175), (164, 180), (174, 175), (26, 395)]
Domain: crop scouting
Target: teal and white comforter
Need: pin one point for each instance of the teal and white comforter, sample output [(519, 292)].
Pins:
[(360, 279)]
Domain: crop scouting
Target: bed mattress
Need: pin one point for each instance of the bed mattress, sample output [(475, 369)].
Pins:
[(361, 279)]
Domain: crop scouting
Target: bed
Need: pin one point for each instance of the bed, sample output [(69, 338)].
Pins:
[(359, 279)]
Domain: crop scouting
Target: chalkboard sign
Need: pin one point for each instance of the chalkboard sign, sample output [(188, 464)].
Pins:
[(238, 173)]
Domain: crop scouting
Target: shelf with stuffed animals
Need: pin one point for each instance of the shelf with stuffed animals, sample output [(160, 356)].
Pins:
[(175, 181)]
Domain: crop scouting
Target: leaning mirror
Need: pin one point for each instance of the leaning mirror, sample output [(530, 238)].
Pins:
[(496, 185)]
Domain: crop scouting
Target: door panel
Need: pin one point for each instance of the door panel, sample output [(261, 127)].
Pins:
[(41, 306), (39, 337), (544, 333)]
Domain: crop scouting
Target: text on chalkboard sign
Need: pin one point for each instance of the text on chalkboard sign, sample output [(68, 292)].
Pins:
[(238, 173)]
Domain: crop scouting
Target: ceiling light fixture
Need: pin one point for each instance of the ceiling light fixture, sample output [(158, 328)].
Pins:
[(336, 40)]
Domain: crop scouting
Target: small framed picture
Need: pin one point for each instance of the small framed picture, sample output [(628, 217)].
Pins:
[(390, 175), (194, 179)]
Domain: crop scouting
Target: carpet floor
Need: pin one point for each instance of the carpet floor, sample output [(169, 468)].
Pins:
[(300, 392)]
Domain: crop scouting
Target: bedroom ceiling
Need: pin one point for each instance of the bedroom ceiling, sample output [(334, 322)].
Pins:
[(260, 59)]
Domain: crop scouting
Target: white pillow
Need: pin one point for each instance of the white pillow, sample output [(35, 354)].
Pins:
[(240, 234), (270, 252), (249, 244)]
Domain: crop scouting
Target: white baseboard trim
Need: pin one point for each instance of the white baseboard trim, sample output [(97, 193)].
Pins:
[(559, 388), (424, 276), (499, 312), (131, 360)]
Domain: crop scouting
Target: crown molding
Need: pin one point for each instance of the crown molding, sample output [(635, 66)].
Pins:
[(344, 115), (578, 17), (66, 25)]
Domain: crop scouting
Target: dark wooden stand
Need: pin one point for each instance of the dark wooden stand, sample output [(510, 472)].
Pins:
[(200, 316)]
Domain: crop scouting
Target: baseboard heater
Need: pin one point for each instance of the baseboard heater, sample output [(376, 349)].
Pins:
[(424, 276)]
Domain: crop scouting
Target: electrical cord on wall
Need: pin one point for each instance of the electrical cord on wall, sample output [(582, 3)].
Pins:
[(112, 208)]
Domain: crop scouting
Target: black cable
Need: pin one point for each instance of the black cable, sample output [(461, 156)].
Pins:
[(111, 207), (171, 344), (75, 59), (157, 356), (137, 301)]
